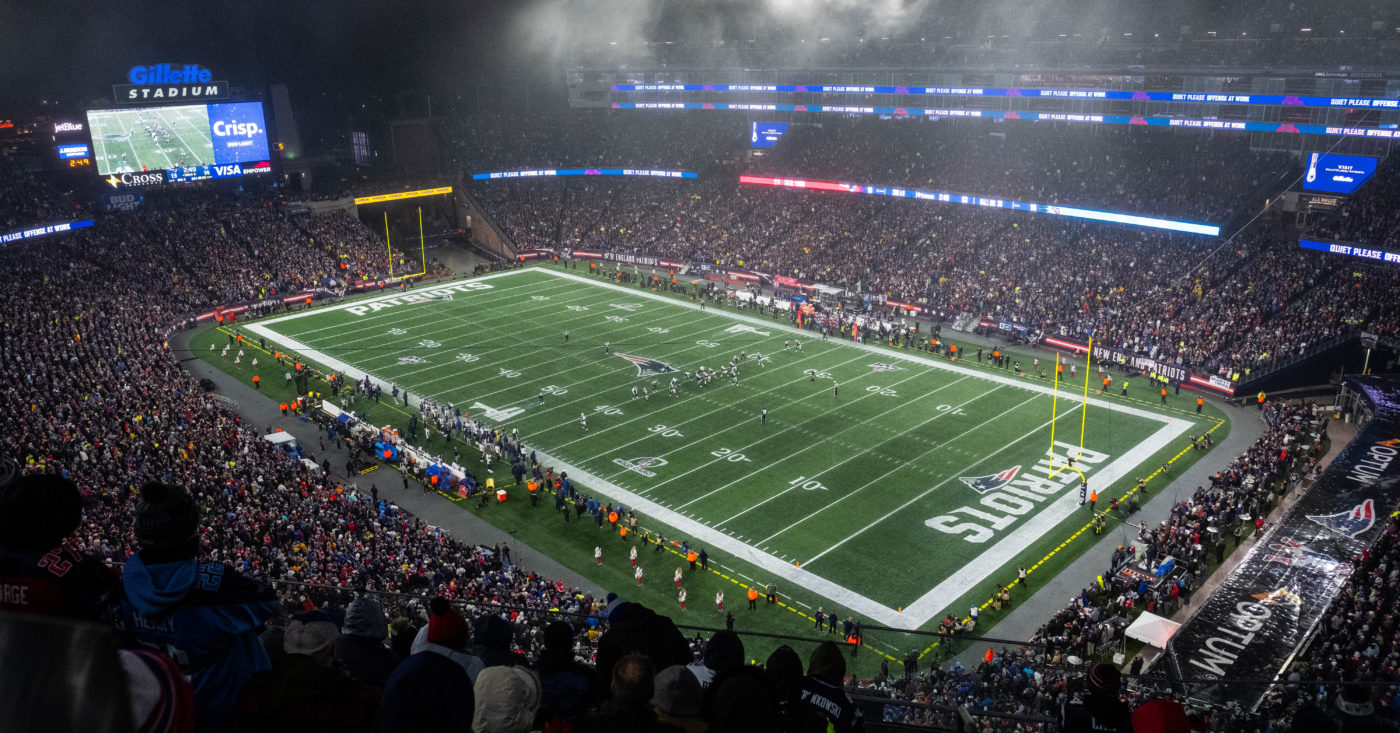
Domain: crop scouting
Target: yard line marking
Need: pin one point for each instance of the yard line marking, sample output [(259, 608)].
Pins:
[(941, 364), (756, 471), (921, 455), (371, 320), (391, 347), (1035, 527), (849, 537), (406, 315), (722, 539), (857, 453), (699, 393)]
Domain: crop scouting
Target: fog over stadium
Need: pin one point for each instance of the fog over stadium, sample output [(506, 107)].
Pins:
[(780, 365)]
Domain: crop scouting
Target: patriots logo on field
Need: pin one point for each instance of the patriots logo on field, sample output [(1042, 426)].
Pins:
[(646, 365), (1351, 522), (881, 366), (412, 360), (992, 482)]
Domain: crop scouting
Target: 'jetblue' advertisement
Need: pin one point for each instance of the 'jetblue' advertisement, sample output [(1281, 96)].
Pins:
[(1337, 173), (238, 132)]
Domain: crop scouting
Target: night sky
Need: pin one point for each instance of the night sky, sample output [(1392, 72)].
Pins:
[(75, 51)]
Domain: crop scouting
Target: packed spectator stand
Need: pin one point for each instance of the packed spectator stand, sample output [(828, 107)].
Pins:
[(165, 474), (1229, 307)]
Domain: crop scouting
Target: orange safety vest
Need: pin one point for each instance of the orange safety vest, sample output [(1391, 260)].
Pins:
[(283, 406), (256, 379), (1105, 382), (1093, 496), (1164, 391), (531, 486), (753, 594), (1200, 401)]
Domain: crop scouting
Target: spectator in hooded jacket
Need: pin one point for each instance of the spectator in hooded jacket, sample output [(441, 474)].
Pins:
[(361, 647), (205, 615)]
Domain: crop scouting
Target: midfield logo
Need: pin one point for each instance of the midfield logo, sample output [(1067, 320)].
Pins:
[(646, 365), (641, 465), (881, 366), (1351, 522), (992, 482), (412, 360)]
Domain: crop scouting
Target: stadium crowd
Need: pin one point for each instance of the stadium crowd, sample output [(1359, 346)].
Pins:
[(1217, 307), (129, 464)]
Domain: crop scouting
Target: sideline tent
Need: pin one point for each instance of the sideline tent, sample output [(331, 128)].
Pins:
[(1152, 630)]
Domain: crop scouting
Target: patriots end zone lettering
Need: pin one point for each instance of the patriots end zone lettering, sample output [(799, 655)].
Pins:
[(1013, 493), (409, 298)]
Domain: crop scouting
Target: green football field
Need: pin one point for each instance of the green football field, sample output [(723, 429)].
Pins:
[(891, 482), (159, 138)]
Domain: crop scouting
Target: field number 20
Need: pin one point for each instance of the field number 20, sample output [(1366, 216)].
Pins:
[(730, 456)]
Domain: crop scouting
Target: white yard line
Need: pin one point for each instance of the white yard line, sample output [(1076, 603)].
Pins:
[(978, 568), (928, 605), (711, 436), (745, 449), (854, 455), (877, 479)]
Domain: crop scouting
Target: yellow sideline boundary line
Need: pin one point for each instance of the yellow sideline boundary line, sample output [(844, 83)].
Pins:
[(1082, 530), (391, 405)]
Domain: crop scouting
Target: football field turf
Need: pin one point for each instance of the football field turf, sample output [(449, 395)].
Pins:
[(890, 481), (121, 143)]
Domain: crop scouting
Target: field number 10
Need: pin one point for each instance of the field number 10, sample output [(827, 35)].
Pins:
[(806, 484)]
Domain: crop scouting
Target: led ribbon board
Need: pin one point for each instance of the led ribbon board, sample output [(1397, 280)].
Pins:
[(1389, 133), (1351, 250), (44, 231), (381, 198), (1287, 100), (995, 203), (546, 172)]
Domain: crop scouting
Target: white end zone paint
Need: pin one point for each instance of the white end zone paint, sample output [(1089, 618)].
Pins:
[(927, 606)]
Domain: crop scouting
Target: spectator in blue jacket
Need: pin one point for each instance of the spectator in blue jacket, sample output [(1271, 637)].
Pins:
[(204, 615)]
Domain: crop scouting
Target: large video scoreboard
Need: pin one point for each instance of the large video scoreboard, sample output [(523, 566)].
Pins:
[(152, 145)]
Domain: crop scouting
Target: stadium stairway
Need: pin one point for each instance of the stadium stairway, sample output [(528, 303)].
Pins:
[(258, 411), (1340, 434)]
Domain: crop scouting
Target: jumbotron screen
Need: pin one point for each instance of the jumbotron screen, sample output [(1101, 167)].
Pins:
[(197, 136)]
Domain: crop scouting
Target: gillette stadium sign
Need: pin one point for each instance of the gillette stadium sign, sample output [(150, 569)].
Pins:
[(167, 82)]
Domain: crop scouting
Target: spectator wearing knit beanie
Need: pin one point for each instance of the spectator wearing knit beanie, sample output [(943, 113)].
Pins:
[(1096, 707), (432, 689), (36, 513)]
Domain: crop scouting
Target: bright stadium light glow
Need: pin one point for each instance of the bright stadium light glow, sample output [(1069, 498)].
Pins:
[(1113, 217)]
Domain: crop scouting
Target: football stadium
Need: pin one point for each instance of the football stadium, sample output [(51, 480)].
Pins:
[(704, 367)]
